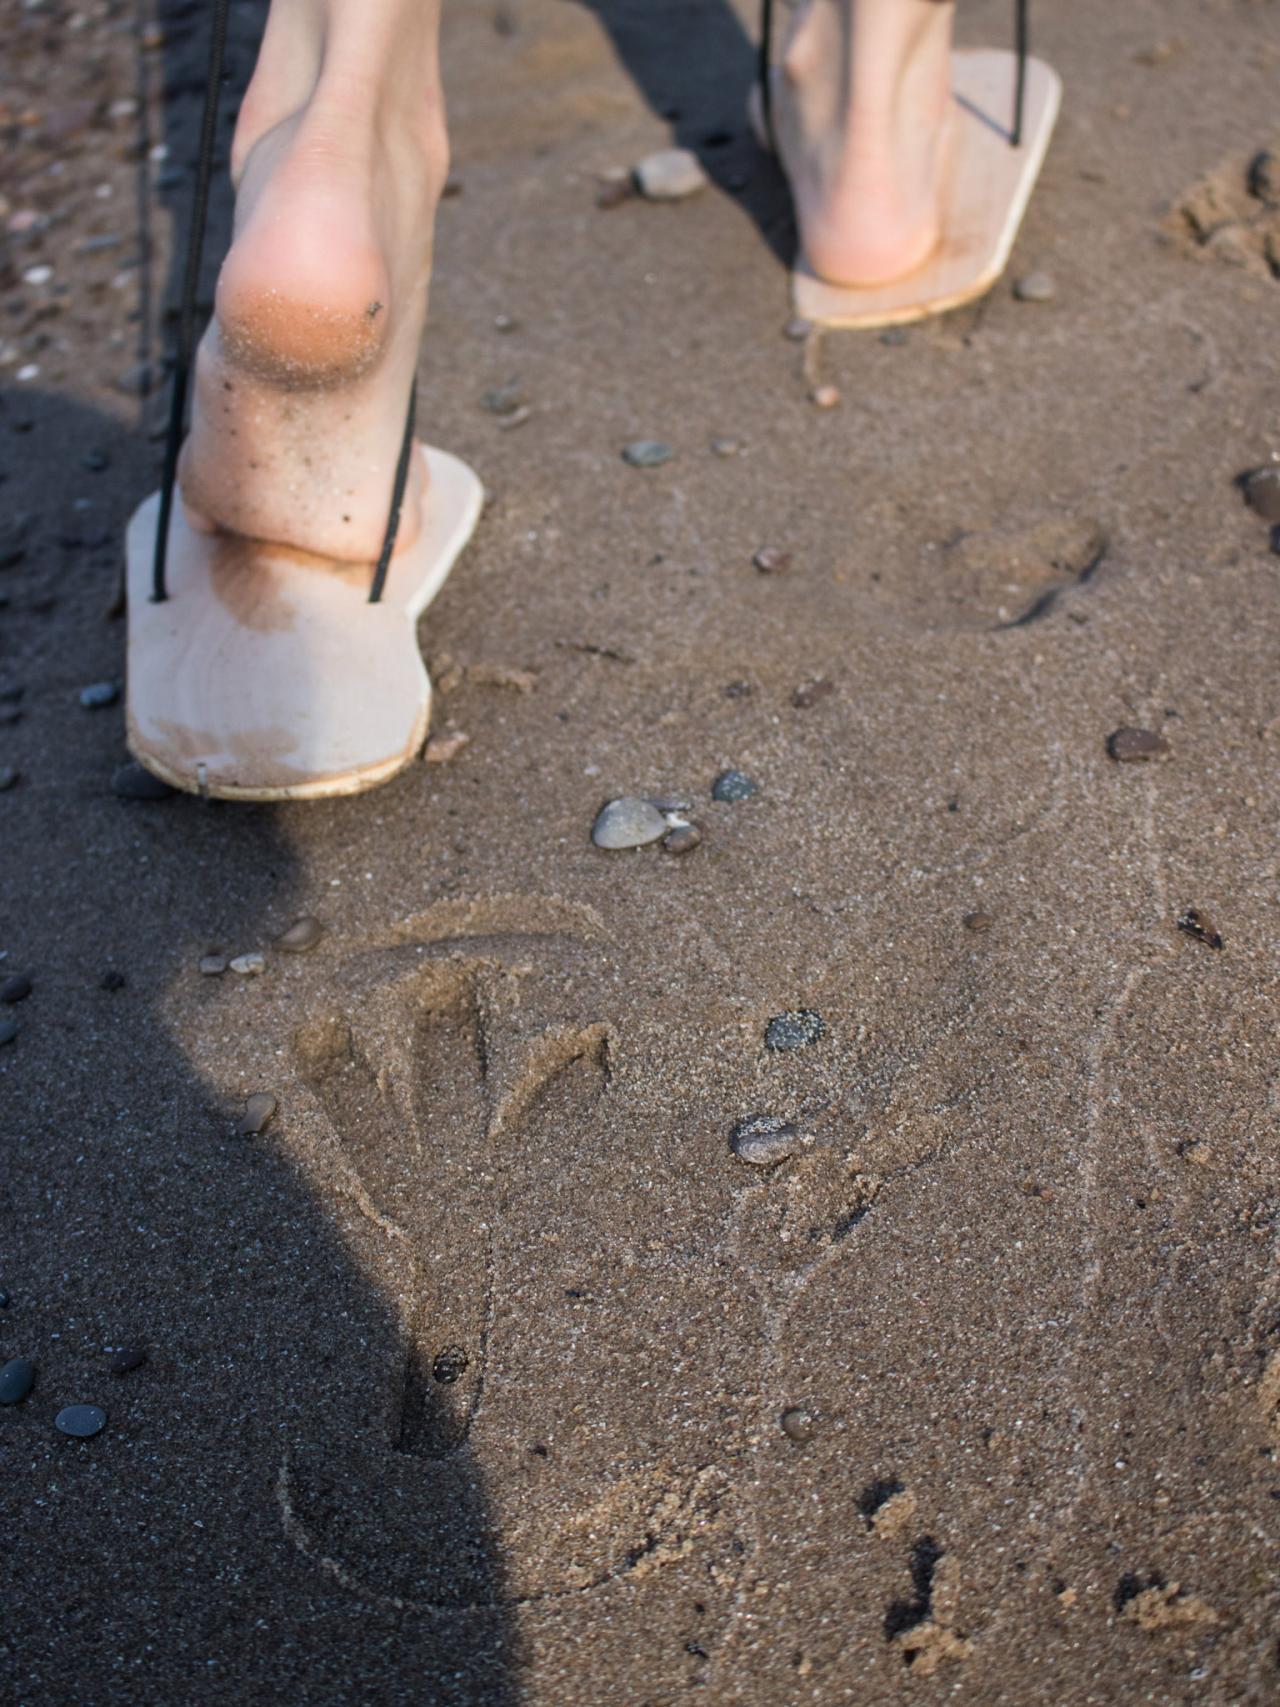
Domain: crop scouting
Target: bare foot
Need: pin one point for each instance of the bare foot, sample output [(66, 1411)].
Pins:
[(860, 108), (302, 380)]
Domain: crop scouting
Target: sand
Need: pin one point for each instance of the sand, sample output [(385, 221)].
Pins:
[(466, 1375)]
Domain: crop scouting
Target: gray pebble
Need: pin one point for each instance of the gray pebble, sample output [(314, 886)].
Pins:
[(733, 785), (766, 1139), (669, 175), (127, 1359), (302, 935), (1264, 177), (81, 1422), (132, 781), (726, 446), (248, 965), (797, 1424), (505, 323), (8, 778), (797, 329), (628, 822), (15, 989), (8, 1030), (683, 839), (258, 1110), (1035, 287), (1262, 489), (506, 399), (17, 1378), (770, 560), (14, 534), (98, 694), (647, 453), (795, 1030), (213, 965), (1133, 746), (95, 460), (112, 980)]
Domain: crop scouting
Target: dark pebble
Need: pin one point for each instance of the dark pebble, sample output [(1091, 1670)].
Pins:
[(733, 785), (1133, 746), (127, 1359), (812, 693), (132, 781), (11, 694), (795, 1030), (8, 1030), (14, 534), (112, 980), (450, 1365), (258, 1111), (1262, 489), (1201, 927), (95, 460), (99, 694), (647, 453), (1264, 177), (8, 778), (81, 1422), (978, 921), (15, 989), (10, 714), (17, 1378), (4, 1299), (797, 329), (797, 1424), (302, 936), (683, 839), (765, 1139)]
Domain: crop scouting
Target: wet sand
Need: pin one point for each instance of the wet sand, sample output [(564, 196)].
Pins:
[(467, 1377)]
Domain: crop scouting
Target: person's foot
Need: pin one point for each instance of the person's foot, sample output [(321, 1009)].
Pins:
[(302, 380), (861, 104)]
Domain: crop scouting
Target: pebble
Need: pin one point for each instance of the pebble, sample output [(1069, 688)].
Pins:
[(812, 693), (1262, 489), (13, 540), (733, 785), (132, 781), (302, 935), (136, 381), (978, 921), (99, 694), (505, 399), (765, 1139), (895, 336), (726, 446), (795, 1030), (1131, 746), (647, 453), (628, 822), (797, 1424), (505, 323), (1264, 177), (683, 839), (81, 1422), (15, 989), (213, 965), (37, 275), (127, 1359), (1199, 925), (797, 329), (10, 714), (441, 748), (1035, 287), (4, 1299), (8, 778), (516, 418), (112, 980), (670, 175), (248, 965), (17, 1378), (258, 1110), (450, 1365), (95, 461), (769, 560), (825, 396), (8, 1030)]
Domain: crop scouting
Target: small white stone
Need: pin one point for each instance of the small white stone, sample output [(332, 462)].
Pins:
[(670, 175), (30, 372), (628, 823), (37, 275), (249, 965)]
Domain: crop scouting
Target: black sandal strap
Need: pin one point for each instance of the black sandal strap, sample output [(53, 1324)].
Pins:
[(397, 499), (1021, 29)]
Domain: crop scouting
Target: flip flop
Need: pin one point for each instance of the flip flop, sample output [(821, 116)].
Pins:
[(259, 672), (1003, 111)]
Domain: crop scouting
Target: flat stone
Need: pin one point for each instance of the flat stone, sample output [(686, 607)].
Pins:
[(1035, 287), (8, 1030), (1134, 746), (258, 1111), (978, 921), (670, 175), (797, 1029), (248, 965), (127, 1359), (726, 446), (683, 839), (733, 785), (797, 1424), (771, 560), (647, 453), (8, 778), (81, 1422), (99, 694), (1262, 489), (213, 965), (17, 1378), (302, 936), (441, 748), (628, 822), (809, 694), (763, 1140), (132, 781), (15, 989)]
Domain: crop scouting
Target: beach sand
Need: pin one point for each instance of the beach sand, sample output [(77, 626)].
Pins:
[(467, 1377)]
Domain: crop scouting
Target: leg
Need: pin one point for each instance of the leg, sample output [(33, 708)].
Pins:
[(862, 104), (302, 380)]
